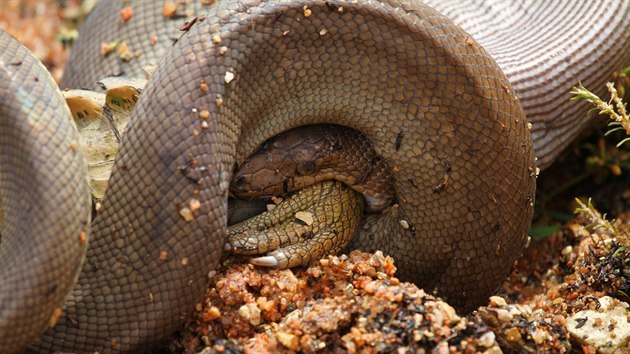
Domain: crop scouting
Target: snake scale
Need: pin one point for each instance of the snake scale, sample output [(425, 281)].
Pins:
[(436, 105)]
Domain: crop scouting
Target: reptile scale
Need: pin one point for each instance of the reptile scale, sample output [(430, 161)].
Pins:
[(434, 99)]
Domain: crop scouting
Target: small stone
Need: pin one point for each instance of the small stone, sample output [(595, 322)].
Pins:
[(124, 52), (126, 13), (251, 313), (487, 339), (194, 204), (107, 48), (448, 312), (539, 336), (404, 224), (607, 329), (567, 250), (186, 214), (512, 334), (229, 76), (163, 255), (289, 340), (497, 301), (203, 86), (265, 304), (504, 315), (370, 287), (213, 312), (169, 8)]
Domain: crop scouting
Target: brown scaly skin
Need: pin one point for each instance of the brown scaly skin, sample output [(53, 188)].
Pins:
[(298, 160), (45, 198), (310, 154), (401, 74), (333, 213), (435, 105)]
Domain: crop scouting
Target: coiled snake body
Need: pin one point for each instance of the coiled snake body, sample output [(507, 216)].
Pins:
[(434, 103)]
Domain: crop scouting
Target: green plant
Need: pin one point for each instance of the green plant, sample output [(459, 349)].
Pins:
[(615, 108), (599, 221)]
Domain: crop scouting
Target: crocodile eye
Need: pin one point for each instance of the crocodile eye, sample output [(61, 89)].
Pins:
[(239, 182), (305, 168)]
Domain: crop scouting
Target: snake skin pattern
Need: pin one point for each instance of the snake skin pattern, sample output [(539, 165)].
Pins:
[(435, 104), (545, 48), (45, 198)]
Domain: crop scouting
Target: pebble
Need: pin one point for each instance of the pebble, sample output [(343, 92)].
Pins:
[(289, 340), (251, 313), (607, 328), (487, 339)]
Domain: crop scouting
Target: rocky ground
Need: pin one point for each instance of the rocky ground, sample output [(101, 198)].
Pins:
[(565, 295), (568, 294)]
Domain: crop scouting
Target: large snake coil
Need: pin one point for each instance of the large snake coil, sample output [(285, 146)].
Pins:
[(436, 105)]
